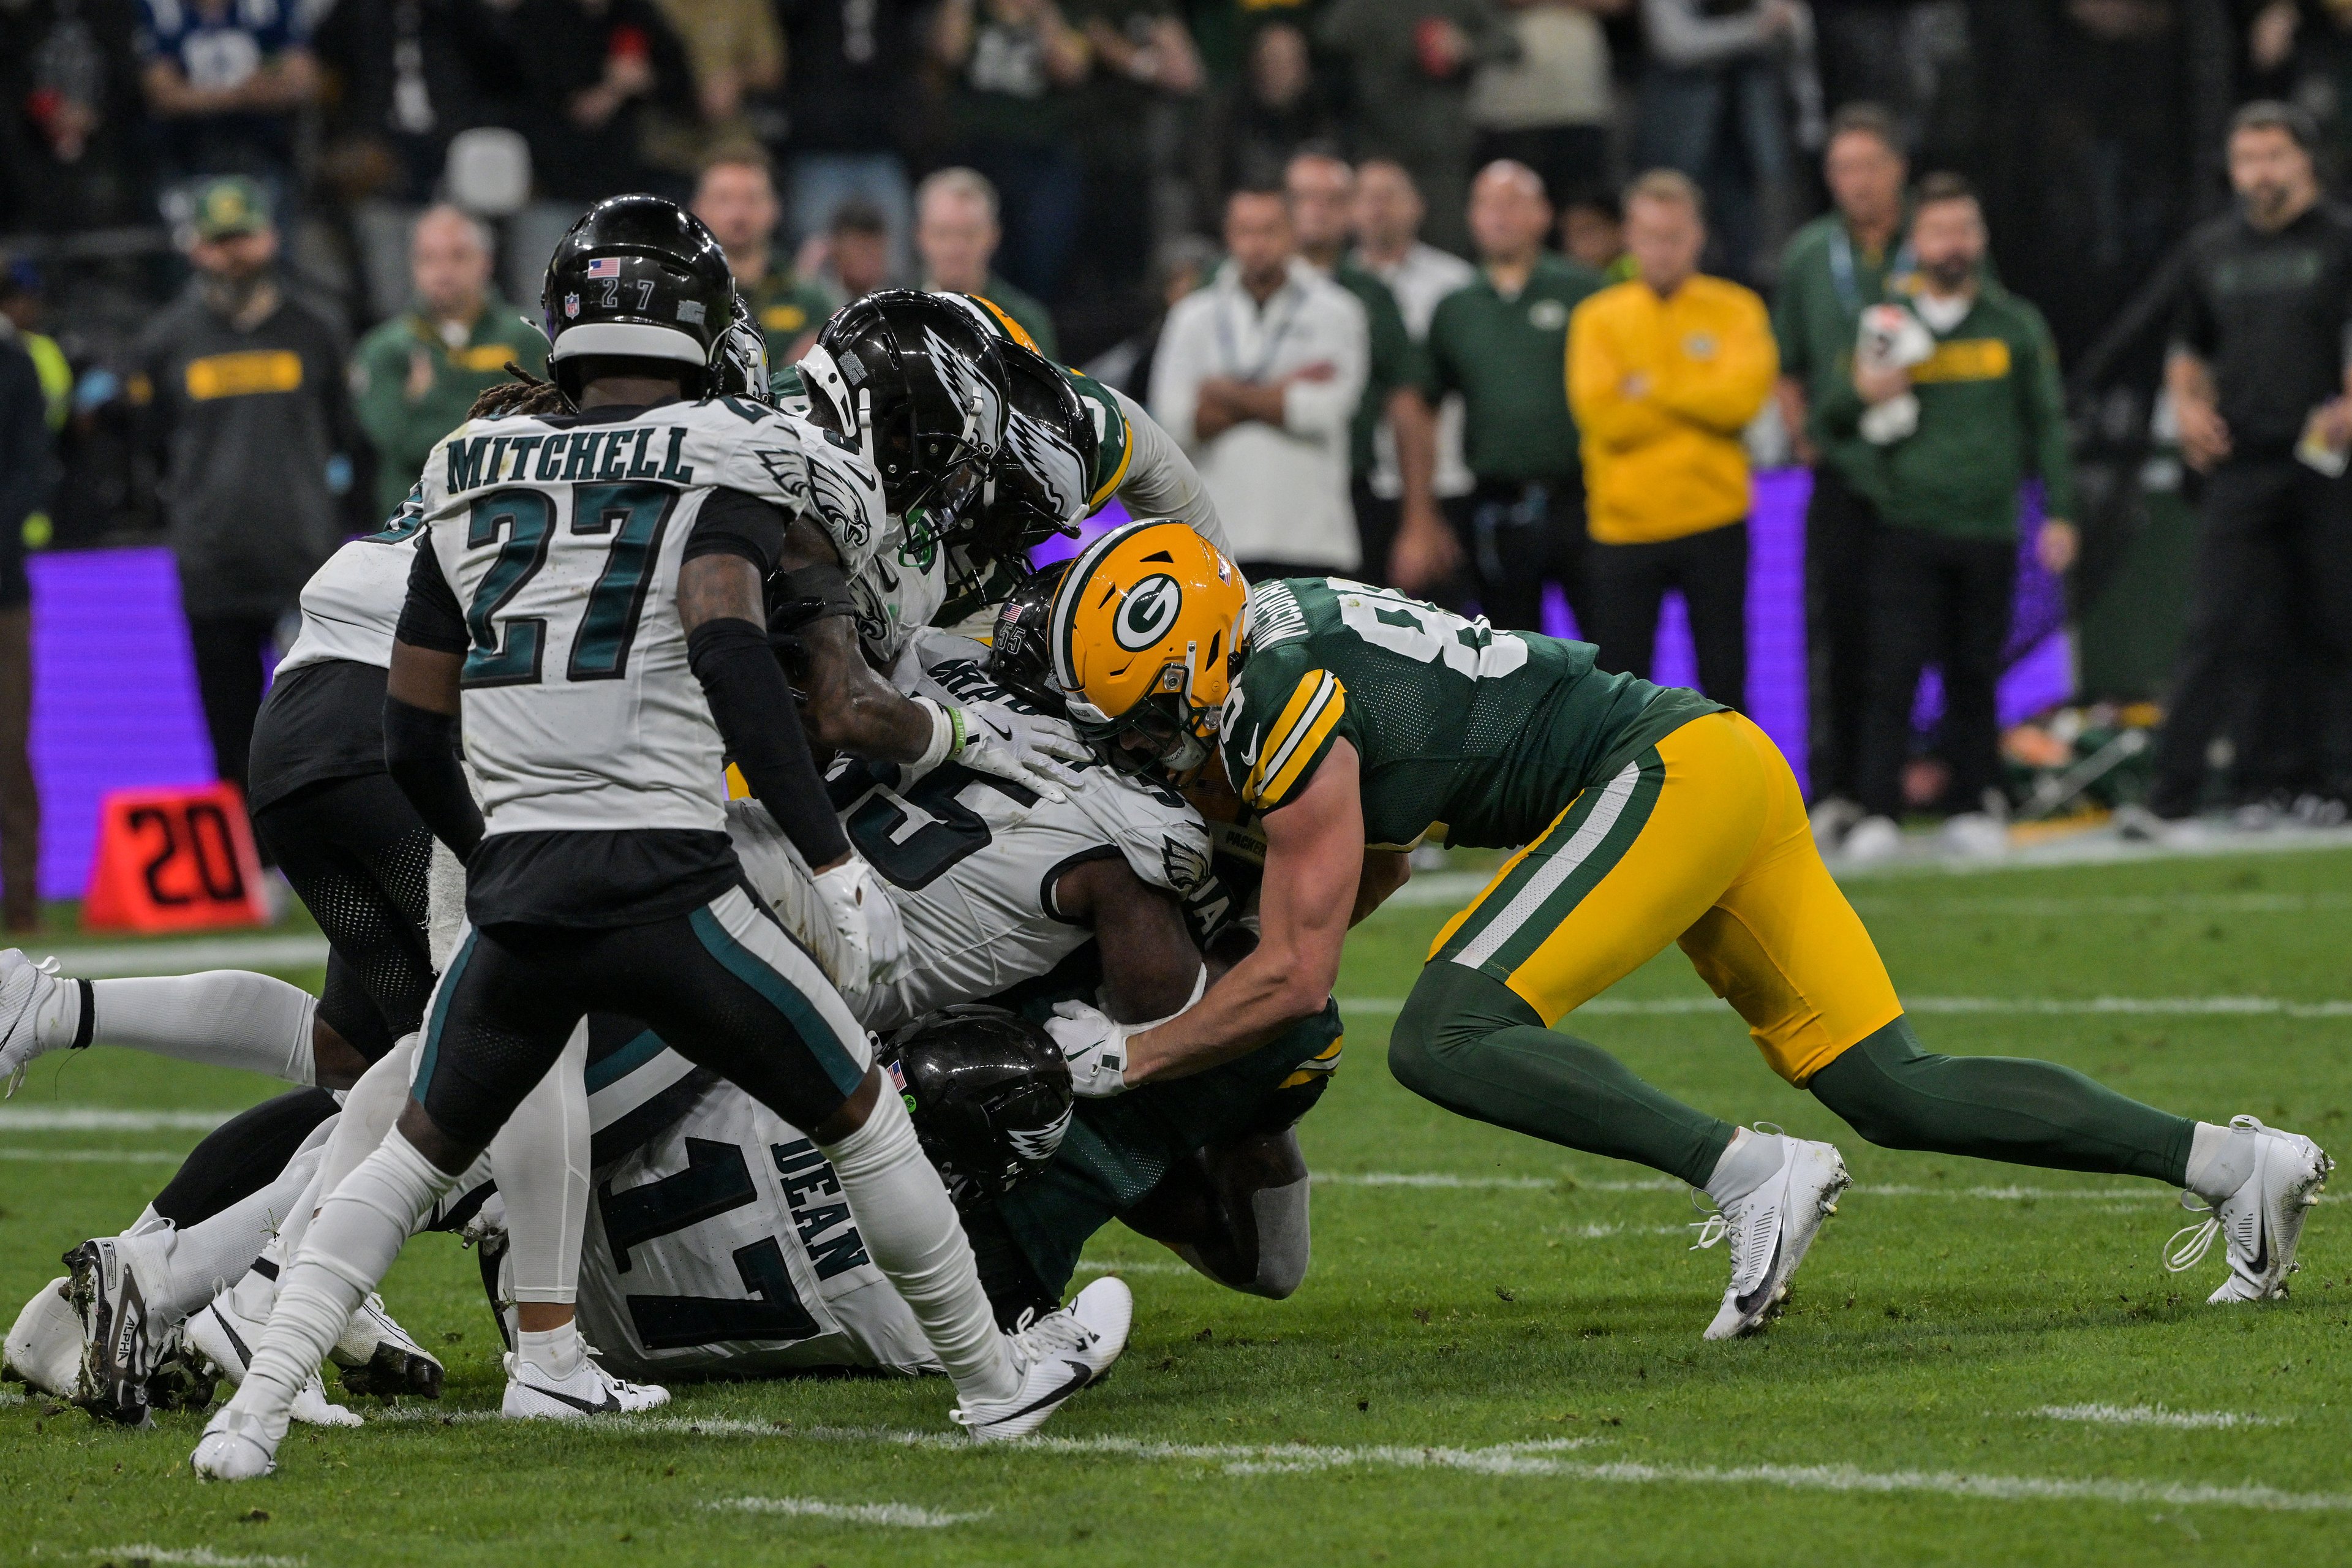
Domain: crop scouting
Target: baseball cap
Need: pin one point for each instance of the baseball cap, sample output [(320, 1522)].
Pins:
[(230, 206)]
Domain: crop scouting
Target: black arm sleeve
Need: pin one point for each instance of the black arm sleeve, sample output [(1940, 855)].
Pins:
[(420, 752), (431, 618), (753, 707), (734, 523)]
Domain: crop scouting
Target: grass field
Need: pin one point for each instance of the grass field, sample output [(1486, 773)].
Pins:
[(1496, 1357)]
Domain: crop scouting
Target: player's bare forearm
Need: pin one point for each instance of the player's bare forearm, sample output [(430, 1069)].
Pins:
[(1385, 870), (1149, 960), (1313, 863), (850, 708), (718, 588)]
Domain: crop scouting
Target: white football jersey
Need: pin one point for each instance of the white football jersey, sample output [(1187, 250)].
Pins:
[(350, 605), (970, 859), (724, 1245), (562, 539)]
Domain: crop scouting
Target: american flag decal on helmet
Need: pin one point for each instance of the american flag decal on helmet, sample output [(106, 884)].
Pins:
[(605, 267)]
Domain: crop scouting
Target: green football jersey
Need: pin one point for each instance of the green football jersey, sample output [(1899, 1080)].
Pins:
[(1460, 730)]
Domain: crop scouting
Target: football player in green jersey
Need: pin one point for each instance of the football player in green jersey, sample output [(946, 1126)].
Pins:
[(1359, 724)]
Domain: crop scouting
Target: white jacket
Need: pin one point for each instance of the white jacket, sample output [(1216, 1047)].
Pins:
[(1282, 493)]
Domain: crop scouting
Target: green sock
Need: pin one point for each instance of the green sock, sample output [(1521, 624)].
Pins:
[(1999, 1108), (1469, 1043)]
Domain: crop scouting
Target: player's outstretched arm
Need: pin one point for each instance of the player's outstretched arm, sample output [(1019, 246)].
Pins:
[(1314, 860)]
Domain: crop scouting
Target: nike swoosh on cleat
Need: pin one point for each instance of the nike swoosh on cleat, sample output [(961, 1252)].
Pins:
[(235, 1340), (1083, 1377), (1763, 1292), (611, 1403)]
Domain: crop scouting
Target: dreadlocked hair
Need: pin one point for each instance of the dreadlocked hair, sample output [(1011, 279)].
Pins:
[(526, 393)]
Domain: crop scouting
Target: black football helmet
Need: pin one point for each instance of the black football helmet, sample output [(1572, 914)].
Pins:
[(740, 369), (990, 1095), (916, 384), (1044, 474), (638, 276), (1020, 658)]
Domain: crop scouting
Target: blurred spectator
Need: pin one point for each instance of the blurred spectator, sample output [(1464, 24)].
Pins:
[(1275, 107), (413, 377), (1257, 377), (735, 51), (1410, 64), (2261, 385), (1016, 64), (1592, 234), (1552, 106), (407, 76), (21, 305), (1388, 216), (27, 470), (71, 135), (852, 85), (228, 76), (1714, 104), (1144, 67), (956, 231), (1321, 190), (244, 391), (737, 201), (1835, 268), (589, 68), (1665, 373), (1980, 379), (852, 258), (1502, 342)]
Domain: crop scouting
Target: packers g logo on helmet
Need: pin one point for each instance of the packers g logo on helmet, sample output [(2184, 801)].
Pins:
[(1142, 633)]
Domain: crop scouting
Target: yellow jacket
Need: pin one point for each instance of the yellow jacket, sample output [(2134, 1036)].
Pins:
[(1666, 460)]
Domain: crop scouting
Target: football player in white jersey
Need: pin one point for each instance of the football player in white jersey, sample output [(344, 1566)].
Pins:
[(590, 595)]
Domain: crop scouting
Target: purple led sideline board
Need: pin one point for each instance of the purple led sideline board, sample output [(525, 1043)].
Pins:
[(115, 705)]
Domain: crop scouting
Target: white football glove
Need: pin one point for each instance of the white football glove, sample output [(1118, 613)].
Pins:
[(1094, 1047), (1026, 747), (866, 919)]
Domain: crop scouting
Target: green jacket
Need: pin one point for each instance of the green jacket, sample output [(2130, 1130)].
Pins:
[(1509, 358), (1826, 282), (788, 310), (1396, 361), (403, 429), (1991, 410)]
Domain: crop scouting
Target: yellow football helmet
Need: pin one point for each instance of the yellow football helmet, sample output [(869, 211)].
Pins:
[(1142, 633)]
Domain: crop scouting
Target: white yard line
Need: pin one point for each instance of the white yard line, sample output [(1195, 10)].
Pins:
[(2034, 1006), (93, 1156), (187, 955), (105, 1119), (1547, 1458), (2154, 1415), (1164, 1267), (197, 1556), (1449, 1181), (892, 1515)]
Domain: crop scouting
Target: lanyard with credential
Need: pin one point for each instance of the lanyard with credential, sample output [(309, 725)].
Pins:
[(1843, 277), (1230, 353)]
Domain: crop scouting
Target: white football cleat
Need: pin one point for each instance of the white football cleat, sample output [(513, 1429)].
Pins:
[(535, 1393), (1058, 1354), (43, 1349), (121, 1344), (2261, 1221), (25, 989), (377, 1356), (1770, 1229), (226, 1338), (237, 1447), (1831, 819)]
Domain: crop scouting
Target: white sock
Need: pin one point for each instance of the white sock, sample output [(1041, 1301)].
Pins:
[(2220, 1159), (541, 1159), (1749, 1160), (368, 1111), (911, 1232), (555, 1351), (223, 1017), (202, 1259), (359, 1232)]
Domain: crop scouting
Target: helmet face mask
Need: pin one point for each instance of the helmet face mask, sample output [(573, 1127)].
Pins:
[(637, 278), (990, 1095), (921, 388)]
